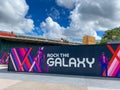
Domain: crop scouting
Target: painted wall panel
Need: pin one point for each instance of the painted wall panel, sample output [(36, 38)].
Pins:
[(86, 60)]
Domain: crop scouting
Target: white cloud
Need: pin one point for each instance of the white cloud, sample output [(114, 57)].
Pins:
[(66, 3), (54, 13), (12, 16), (88, 16), (80, 27), (52, 29)]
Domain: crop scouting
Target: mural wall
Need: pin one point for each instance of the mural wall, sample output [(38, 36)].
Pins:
[(4, 58), (23, 60), (5, 47), (86, 60)]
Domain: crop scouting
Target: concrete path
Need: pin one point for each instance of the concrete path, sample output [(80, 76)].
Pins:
[(38, 81)]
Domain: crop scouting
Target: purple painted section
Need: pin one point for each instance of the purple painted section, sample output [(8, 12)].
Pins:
[(4, 58), (25, 60), (103, 61)]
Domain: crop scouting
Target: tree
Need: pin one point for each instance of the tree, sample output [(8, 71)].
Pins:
[(109, 35)]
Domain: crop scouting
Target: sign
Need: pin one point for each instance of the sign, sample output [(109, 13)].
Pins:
[(85, 60)]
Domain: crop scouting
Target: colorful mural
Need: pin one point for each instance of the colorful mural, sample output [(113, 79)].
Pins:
[(86, 60), (4, 58), (23, 60), (114, 63)]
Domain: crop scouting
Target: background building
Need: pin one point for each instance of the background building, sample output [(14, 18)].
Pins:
[(89, 40)]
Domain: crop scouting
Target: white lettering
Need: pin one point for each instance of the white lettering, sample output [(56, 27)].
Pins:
[(81, 62), (64, 65), (90, 63), (53, 55), (58, 62), (72, 61), (50, 62)]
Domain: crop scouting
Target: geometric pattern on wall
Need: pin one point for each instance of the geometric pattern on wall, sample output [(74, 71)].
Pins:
[(23, 60)]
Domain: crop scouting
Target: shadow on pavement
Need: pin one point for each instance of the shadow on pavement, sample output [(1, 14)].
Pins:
[(4, 69)]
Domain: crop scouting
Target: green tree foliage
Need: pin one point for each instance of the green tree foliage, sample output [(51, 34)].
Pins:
[(113, 34)]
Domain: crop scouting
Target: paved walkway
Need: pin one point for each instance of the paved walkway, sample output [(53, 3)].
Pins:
[(38, 81)]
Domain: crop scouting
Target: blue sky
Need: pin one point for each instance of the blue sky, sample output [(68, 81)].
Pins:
[(56, 19), (39, 10), (100, 33)]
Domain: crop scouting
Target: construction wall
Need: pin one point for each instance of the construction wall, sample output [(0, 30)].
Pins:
[(5, 46), (5, 49), (85, 60)]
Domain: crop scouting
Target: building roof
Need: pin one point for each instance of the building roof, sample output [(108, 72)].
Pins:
[(113, 42), (35, 40)]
